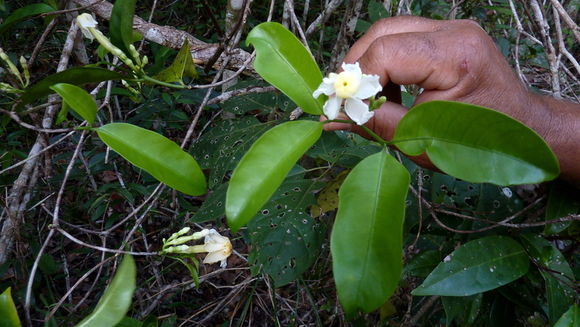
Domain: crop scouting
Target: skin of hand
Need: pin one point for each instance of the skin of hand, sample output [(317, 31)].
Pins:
[(457, 61)]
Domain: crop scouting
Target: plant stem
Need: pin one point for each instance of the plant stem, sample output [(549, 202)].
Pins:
[(158, 82)]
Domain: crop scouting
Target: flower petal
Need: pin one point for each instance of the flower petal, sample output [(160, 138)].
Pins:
[(332, 107), (358, 111), (369, 86), (214, 257), (326, 87), (352, 68)]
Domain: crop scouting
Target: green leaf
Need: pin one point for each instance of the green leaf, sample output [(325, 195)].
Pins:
[(285, 63), (8, 310), (264, 167), (117, 298), (155, 154), (213, 207), (121, 24), (23, 13), (76, 76), (571, 318), (476, 144), (366, 241), (78, 99), (564, 200), (558, 276), (477, 266), (464, 309), (285, 239), (181, 66)]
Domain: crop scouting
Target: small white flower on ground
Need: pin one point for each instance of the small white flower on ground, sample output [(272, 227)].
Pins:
[(218, 247), (84, 21), (349, 87)]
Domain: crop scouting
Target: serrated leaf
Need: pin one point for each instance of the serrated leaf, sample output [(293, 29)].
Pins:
[(75, 76), (222, 147), (563, 200), (285, 239), (121, 24), (181, 66), (265, 166), (366, 241), (8, 313), (78, 99), (155, 154), (23, 13), (285, 63), (477, 266), (117, 298), (476, 144), (558, 276)]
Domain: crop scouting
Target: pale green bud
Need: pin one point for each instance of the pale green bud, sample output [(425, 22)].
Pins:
[(24, 66), (11, 67)]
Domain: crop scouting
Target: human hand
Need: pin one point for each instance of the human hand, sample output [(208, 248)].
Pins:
[(451, 60)]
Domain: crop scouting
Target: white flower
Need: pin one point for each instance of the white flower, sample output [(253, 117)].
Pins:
[(218, 247), (84, 21), (349, 87)]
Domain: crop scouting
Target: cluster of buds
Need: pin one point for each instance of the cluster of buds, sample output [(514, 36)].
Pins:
[(217, 247), (88, 26), (23, 77)]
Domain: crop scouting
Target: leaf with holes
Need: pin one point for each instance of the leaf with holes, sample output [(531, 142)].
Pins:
[(285, 239), (257, 102), (556, 272), (213, 208), (367, 236), (285, 63), (265, 166), (477, 266), (221, 148), (477, 144), (343, 149)]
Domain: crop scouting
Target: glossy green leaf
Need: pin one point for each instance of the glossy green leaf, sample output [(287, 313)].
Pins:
[(570, 318), (8, 313), (477, 266), (117, 298), (285, 63), (23, 13), (121, 24), (564, 200), (155, 154), (76, 76), (264, 167), (366, 241), (476, 144), (558, 276), (181, 66), (78, 99)]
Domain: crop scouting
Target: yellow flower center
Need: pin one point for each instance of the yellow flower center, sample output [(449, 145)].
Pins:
[(346, 85)]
